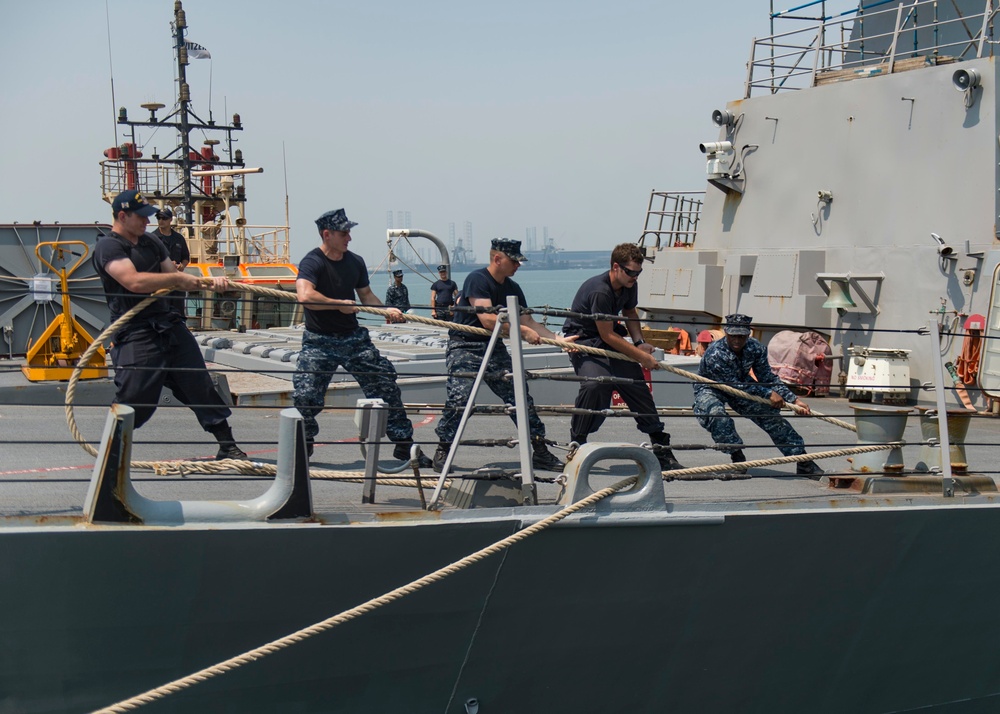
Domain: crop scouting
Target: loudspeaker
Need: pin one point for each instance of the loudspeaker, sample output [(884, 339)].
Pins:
[(965, 79), (722, 118)]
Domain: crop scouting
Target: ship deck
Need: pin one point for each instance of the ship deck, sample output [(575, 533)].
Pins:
[(45, 473)]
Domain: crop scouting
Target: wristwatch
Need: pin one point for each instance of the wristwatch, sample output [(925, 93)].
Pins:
[(639, 342)]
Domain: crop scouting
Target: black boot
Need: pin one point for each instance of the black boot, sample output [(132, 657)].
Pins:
[(738, 457), (542, 458), (228, 449), (440, 456), (402, 452), (808, 468), (665, 456)]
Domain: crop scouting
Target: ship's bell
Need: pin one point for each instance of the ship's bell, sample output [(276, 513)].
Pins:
[(840, 295)]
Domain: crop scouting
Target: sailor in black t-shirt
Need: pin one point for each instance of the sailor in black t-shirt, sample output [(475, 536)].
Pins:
[(131, 265), (329, 278), (443, 294), (177, 250), (615, 293), (490, 287)]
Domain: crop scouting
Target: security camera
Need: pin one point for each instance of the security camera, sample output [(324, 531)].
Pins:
[(966, 79), (716, 147), (721, 117)]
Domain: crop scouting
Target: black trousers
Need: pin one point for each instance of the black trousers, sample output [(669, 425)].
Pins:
[(594, 395), (146, 360)]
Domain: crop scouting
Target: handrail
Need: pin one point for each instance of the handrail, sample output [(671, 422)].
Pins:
[(681, 217), (952, 36)]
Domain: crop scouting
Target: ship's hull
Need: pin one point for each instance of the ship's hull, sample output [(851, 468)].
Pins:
[(827, 611)]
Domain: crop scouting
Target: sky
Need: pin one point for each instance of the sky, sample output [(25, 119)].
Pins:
[(557, 114)]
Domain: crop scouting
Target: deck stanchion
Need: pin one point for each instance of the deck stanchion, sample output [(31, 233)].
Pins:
[(377, 419), (947, 482), (435, 499), (529, 491)]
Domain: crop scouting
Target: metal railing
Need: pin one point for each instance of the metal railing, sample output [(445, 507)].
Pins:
[(672, 218), (870, 40), (208, 239)]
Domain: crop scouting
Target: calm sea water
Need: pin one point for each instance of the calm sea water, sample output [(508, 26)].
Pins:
[(554, 288)]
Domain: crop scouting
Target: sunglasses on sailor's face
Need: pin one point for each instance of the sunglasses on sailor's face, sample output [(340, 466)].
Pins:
[(630, 273)]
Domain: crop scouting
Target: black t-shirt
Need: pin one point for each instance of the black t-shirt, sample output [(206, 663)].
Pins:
[(480, 284), (175, 244), (597, 295), (337, 279), (445, 290), (146, 256)]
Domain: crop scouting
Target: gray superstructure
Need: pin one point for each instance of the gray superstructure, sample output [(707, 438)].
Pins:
[(844, 161)]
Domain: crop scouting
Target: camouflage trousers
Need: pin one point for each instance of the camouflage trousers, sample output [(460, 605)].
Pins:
[(710, 408), (320, 357), (465, 356)]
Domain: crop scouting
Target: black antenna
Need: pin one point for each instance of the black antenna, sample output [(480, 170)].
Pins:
[(111, 71), (183, 100)]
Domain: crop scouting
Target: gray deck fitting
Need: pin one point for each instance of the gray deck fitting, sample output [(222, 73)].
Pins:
[(111, 497), (646, 495), (969, 485)]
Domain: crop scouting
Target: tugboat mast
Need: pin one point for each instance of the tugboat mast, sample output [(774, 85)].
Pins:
[(185, 191), (207, 194), (183, 99)]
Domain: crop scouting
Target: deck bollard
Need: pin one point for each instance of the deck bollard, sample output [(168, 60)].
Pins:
[(879, 424)]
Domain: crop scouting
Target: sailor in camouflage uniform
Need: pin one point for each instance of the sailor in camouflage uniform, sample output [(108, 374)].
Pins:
[(490, 287), (729, 361), (397, 295), (329, 277)]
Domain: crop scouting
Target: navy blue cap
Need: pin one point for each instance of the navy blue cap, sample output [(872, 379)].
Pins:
[(397, 273), (164, 212), (442, 267), (132, 202), (509, 247), (737, 324), (335, 221)]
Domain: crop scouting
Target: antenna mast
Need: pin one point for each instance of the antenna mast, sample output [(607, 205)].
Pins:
[(183, 100)]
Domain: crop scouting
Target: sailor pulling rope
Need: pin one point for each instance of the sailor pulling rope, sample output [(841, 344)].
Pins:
[(255, 468)]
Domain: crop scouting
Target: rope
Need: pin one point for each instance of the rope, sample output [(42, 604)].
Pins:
[(362, 609), (185, 468), (585, 349), (248, 467), (681, 474)]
